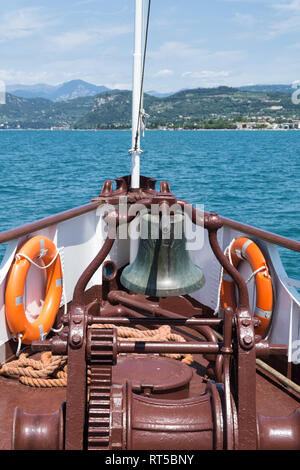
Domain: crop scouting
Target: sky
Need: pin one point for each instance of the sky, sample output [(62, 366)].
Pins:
[(192, 43)]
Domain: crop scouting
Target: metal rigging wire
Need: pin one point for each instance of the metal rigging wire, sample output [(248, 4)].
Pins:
[(142, 80)]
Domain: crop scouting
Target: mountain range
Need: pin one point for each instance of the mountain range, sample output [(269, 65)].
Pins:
[(79, 88), (112, 109), (65, 91)]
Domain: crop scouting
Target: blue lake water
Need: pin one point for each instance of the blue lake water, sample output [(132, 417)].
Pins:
[(250, 176)]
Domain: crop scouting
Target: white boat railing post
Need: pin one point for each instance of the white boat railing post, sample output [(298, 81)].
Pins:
[(136, 96)]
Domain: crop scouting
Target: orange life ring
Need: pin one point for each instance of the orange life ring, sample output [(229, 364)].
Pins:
[(245, 249), (36, 247)]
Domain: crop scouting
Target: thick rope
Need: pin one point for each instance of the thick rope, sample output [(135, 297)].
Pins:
[(51, 371)]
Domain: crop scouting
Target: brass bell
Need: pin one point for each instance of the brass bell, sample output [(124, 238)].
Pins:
[(162, 267)]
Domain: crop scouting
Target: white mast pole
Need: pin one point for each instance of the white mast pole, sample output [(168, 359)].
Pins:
[(136, 95)]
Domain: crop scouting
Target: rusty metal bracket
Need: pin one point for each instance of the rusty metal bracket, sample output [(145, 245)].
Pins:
[(77, 380), (76, 327), (245, 329)]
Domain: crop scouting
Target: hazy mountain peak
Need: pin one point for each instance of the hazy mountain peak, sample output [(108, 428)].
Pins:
[(64, 91)]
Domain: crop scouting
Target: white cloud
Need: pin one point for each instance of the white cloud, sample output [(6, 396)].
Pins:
[(286, 26), (119, 86), (186, 52), (206, 78), (204, 74), (174, 49), (293, 5), (85, 2), (164, 73), (73, 39), (244, 19), (293, 46), (11, 76), (22, 23), (289, 19)]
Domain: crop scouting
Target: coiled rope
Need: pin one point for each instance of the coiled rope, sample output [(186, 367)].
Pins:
[(51, 371)]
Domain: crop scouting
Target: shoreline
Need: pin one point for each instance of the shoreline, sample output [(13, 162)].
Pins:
[(151, 130)]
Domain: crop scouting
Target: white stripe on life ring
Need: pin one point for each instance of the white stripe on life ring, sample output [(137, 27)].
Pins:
[(259, 312), (19, 300), (244, 248)]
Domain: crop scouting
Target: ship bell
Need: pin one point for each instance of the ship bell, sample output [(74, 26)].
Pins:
[(162, 267)]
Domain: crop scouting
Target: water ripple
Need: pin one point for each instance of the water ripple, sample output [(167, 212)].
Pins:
[(253, 177)]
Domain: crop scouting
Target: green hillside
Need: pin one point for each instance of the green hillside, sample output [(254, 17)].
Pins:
[(213, 107), (218, 104), (40, 113)]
